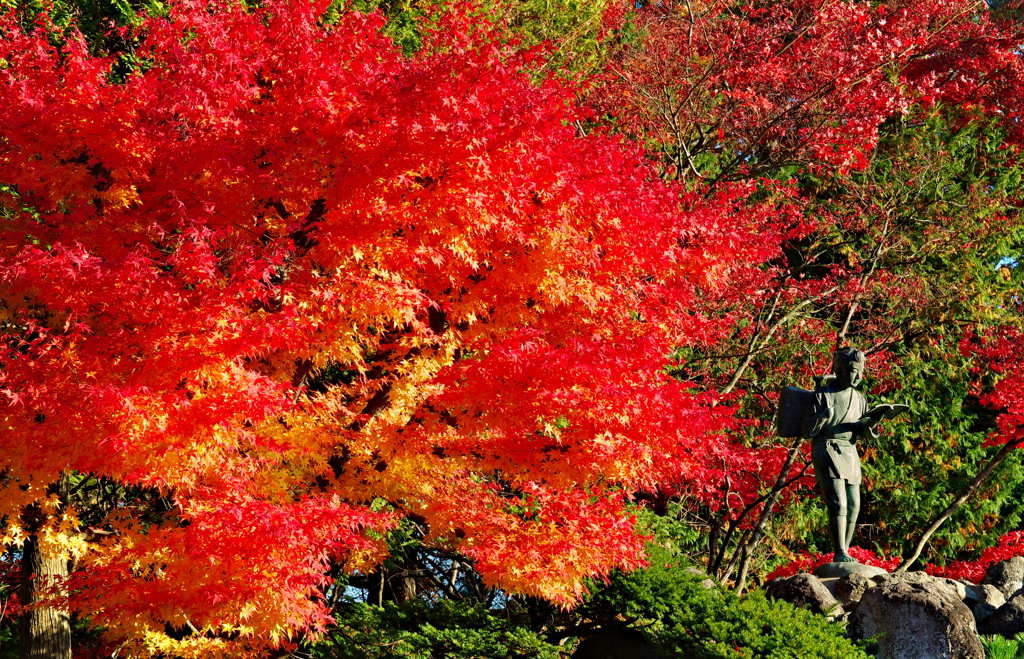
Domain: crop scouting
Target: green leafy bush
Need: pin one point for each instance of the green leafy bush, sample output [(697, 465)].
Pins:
[(1000, 647), (685, 619), (722, 626), (418, 630)]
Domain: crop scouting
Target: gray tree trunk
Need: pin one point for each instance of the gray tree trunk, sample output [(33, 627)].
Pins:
[(45, 631)]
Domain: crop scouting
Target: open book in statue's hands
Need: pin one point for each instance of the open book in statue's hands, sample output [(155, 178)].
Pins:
[(887, 411)]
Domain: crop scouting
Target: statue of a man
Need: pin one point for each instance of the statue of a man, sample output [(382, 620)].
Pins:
[(837, 418)]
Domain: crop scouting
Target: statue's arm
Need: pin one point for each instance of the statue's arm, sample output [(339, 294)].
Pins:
[(867, 426)]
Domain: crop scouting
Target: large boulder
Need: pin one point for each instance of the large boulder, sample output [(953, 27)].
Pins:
[(807, 591), (916, 620), (1007, 576), (1008, 619), (955, 588)]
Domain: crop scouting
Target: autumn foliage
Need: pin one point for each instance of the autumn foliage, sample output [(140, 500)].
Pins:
[(764, 86), (282, 274), (285, 285)]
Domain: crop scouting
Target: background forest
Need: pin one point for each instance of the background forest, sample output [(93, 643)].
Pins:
[(411, 328)]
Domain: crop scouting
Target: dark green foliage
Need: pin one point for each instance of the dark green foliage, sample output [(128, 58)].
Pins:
[(686, 619), (417, 630), (926, 460), (755, 627), (95, 19)]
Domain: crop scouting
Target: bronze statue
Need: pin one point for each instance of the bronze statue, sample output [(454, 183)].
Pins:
[(835, 416)]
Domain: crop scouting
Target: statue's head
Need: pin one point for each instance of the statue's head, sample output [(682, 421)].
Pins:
[(848, 366)]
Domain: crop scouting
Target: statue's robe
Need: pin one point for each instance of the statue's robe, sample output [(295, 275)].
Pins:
[(834, 425)]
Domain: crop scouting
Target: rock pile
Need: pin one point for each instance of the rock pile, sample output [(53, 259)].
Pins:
[(914, 615)]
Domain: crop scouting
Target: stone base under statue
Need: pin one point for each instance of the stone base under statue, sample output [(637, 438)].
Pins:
[(840, 570)]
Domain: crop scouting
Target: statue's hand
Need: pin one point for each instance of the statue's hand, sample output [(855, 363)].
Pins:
[(864, 428)]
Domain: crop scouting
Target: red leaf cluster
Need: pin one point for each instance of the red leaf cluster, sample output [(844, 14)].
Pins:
[(760, 86), (1010, 545), (807, 562)]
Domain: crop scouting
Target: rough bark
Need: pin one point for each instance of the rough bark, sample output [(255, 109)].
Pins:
[(45, 630)]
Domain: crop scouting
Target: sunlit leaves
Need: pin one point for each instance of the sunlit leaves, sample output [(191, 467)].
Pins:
[(283, 271)]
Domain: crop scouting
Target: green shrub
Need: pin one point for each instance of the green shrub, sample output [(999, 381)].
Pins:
[(722, 626), (685, 619), (417, 630), (1000, 647)]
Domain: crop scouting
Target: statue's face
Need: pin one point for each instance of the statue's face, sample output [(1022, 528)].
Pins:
[(849, 374)]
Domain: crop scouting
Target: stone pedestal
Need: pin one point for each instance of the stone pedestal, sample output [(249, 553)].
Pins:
[(840, 570)]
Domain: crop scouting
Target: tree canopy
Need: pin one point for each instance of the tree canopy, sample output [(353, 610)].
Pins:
[(282, 282)]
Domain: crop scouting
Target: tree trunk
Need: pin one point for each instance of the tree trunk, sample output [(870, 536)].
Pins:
[(45, 630)]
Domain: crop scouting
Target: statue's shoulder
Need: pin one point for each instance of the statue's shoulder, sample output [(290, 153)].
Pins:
[(824, 383)]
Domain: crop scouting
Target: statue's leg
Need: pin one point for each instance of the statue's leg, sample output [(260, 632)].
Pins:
[(853, 510), (839, 523), (834, 491), (837, 530)]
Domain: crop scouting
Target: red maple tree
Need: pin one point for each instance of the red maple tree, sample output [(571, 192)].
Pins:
[(284, 278)]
